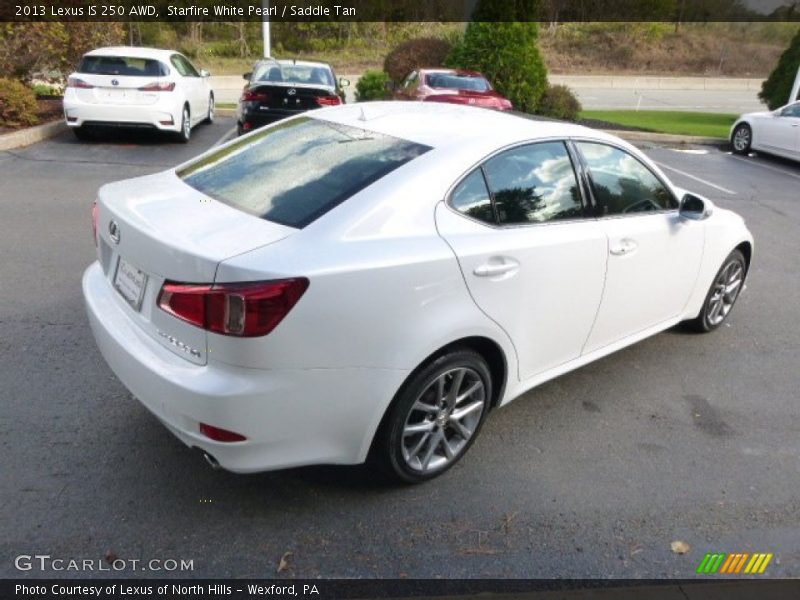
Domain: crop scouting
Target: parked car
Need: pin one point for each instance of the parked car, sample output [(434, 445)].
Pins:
[(454, 86), (775, 132), (137, 87), (277, 89), (371, 280)]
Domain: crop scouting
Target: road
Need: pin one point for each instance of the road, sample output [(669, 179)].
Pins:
[(608, 93), (680, 437)]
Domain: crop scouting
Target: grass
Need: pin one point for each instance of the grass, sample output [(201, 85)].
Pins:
[(678, 122)]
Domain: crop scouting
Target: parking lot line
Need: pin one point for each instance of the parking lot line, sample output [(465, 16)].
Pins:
[(763, 166), (690, 176), (224, 138)]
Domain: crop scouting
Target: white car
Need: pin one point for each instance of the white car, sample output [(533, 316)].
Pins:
[(137, 87), (775, 132), (370, 280)]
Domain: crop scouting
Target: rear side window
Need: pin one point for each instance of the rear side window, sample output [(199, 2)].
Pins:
[(534, 184), (472, 198), (122, 65), (621, 184), (298, 170)]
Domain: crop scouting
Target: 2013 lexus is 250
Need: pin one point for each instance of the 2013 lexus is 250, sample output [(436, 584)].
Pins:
[(370, 281)]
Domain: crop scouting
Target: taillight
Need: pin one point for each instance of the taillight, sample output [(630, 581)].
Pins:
[(239, 309), (95, 212), (251, 96), (220, 435), (74, 82), (329, 100), (158, 86)]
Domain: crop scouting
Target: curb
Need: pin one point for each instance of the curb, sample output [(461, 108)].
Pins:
[(31, 135), (665, 138)]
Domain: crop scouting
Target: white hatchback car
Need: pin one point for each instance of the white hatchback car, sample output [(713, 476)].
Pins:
[(370, 280), (775, 132), (137, 87)]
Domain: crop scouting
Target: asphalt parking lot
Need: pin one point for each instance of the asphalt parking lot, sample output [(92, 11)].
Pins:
[(680, 437)]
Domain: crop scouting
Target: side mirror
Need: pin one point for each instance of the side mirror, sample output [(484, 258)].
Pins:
[(204, 73), (247, 76), (344, 82), (694, 208)]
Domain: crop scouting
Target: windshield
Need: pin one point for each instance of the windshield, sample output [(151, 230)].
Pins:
[(294, 74), (296, 171), (451, 81), (122, 65)]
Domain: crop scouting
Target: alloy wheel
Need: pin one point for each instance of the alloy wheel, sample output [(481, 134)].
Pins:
[(443, 419), (741, 139), (726, 289)]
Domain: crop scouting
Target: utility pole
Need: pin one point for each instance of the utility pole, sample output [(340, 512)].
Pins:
[(265, 29), (795, 87)]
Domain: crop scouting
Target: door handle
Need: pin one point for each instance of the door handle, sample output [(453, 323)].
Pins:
[(495, 269), (623, 247)]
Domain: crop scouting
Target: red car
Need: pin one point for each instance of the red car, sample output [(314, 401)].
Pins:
[(451, 85)]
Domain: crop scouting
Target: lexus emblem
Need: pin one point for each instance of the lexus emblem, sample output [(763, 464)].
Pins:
[(113, 231), (292, 92), (114, 82)]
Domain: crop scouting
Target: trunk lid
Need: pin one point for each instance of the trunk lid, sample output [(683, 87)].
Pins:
[(157, 228), (287, 96)]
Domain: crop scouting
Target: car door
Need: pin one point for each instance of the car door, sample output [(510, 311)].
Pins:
[(780, 131), (532, 259), (653, 254), (193, 86)]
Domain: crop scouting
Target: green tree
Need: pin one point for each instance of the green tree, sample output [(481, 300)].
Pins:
[(506, 50), (776, 89)]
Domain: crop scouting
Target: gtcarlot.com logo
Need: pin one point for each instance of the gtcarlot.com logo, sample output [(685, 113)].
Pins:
[(741, 563), (46, 562)]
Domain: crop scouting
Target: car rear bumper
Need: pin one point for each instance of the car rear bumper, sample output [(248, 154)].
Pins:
[(253, 119), (158, 116), (290, 417)]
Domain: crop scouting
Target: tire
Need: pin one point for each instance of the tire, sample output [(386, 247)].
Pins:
[(742, 139), (82, 133), (210, 117), (718, 303), (421, 435), (185, 134), (239, 130)]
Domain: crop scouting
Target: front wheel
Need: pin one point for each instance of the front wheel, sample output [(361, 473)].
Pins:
[(210, 116), (723, 294), (742, 138), (436, 417)]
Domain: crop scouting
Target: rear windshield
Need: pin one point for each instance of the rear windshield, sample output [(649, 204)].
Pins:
[(302, 74), (122, 65), (450, 81), (298, 170)]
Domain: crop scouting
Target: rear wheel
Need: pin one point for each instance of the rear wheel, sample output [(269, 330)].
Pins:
[(436, 417), (742, 138), (185, 134), (723, 294)]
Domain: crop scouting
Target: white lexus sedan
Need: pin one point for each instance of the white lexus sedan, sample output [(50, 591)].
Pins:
[(137, 87), (775, 132), (370, 281)]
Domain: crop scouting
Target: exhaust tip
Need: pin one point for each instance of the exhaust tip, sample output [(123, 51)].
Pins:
[(212, 462)]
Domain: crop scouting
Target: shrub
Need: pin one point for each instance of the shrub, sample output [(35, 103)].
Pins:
[(559, 102), (776, 89), (372, 86), (18, 105), (508, 54), (415, 54)]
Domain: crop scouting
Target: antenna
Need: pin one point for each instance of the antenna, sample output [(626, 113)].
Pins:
[(362, 116)]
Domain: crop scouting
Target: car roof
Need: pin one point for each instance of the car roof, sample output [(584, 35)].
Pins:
[(289, 61), (133, 52), (462, 72), (441, 125)]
